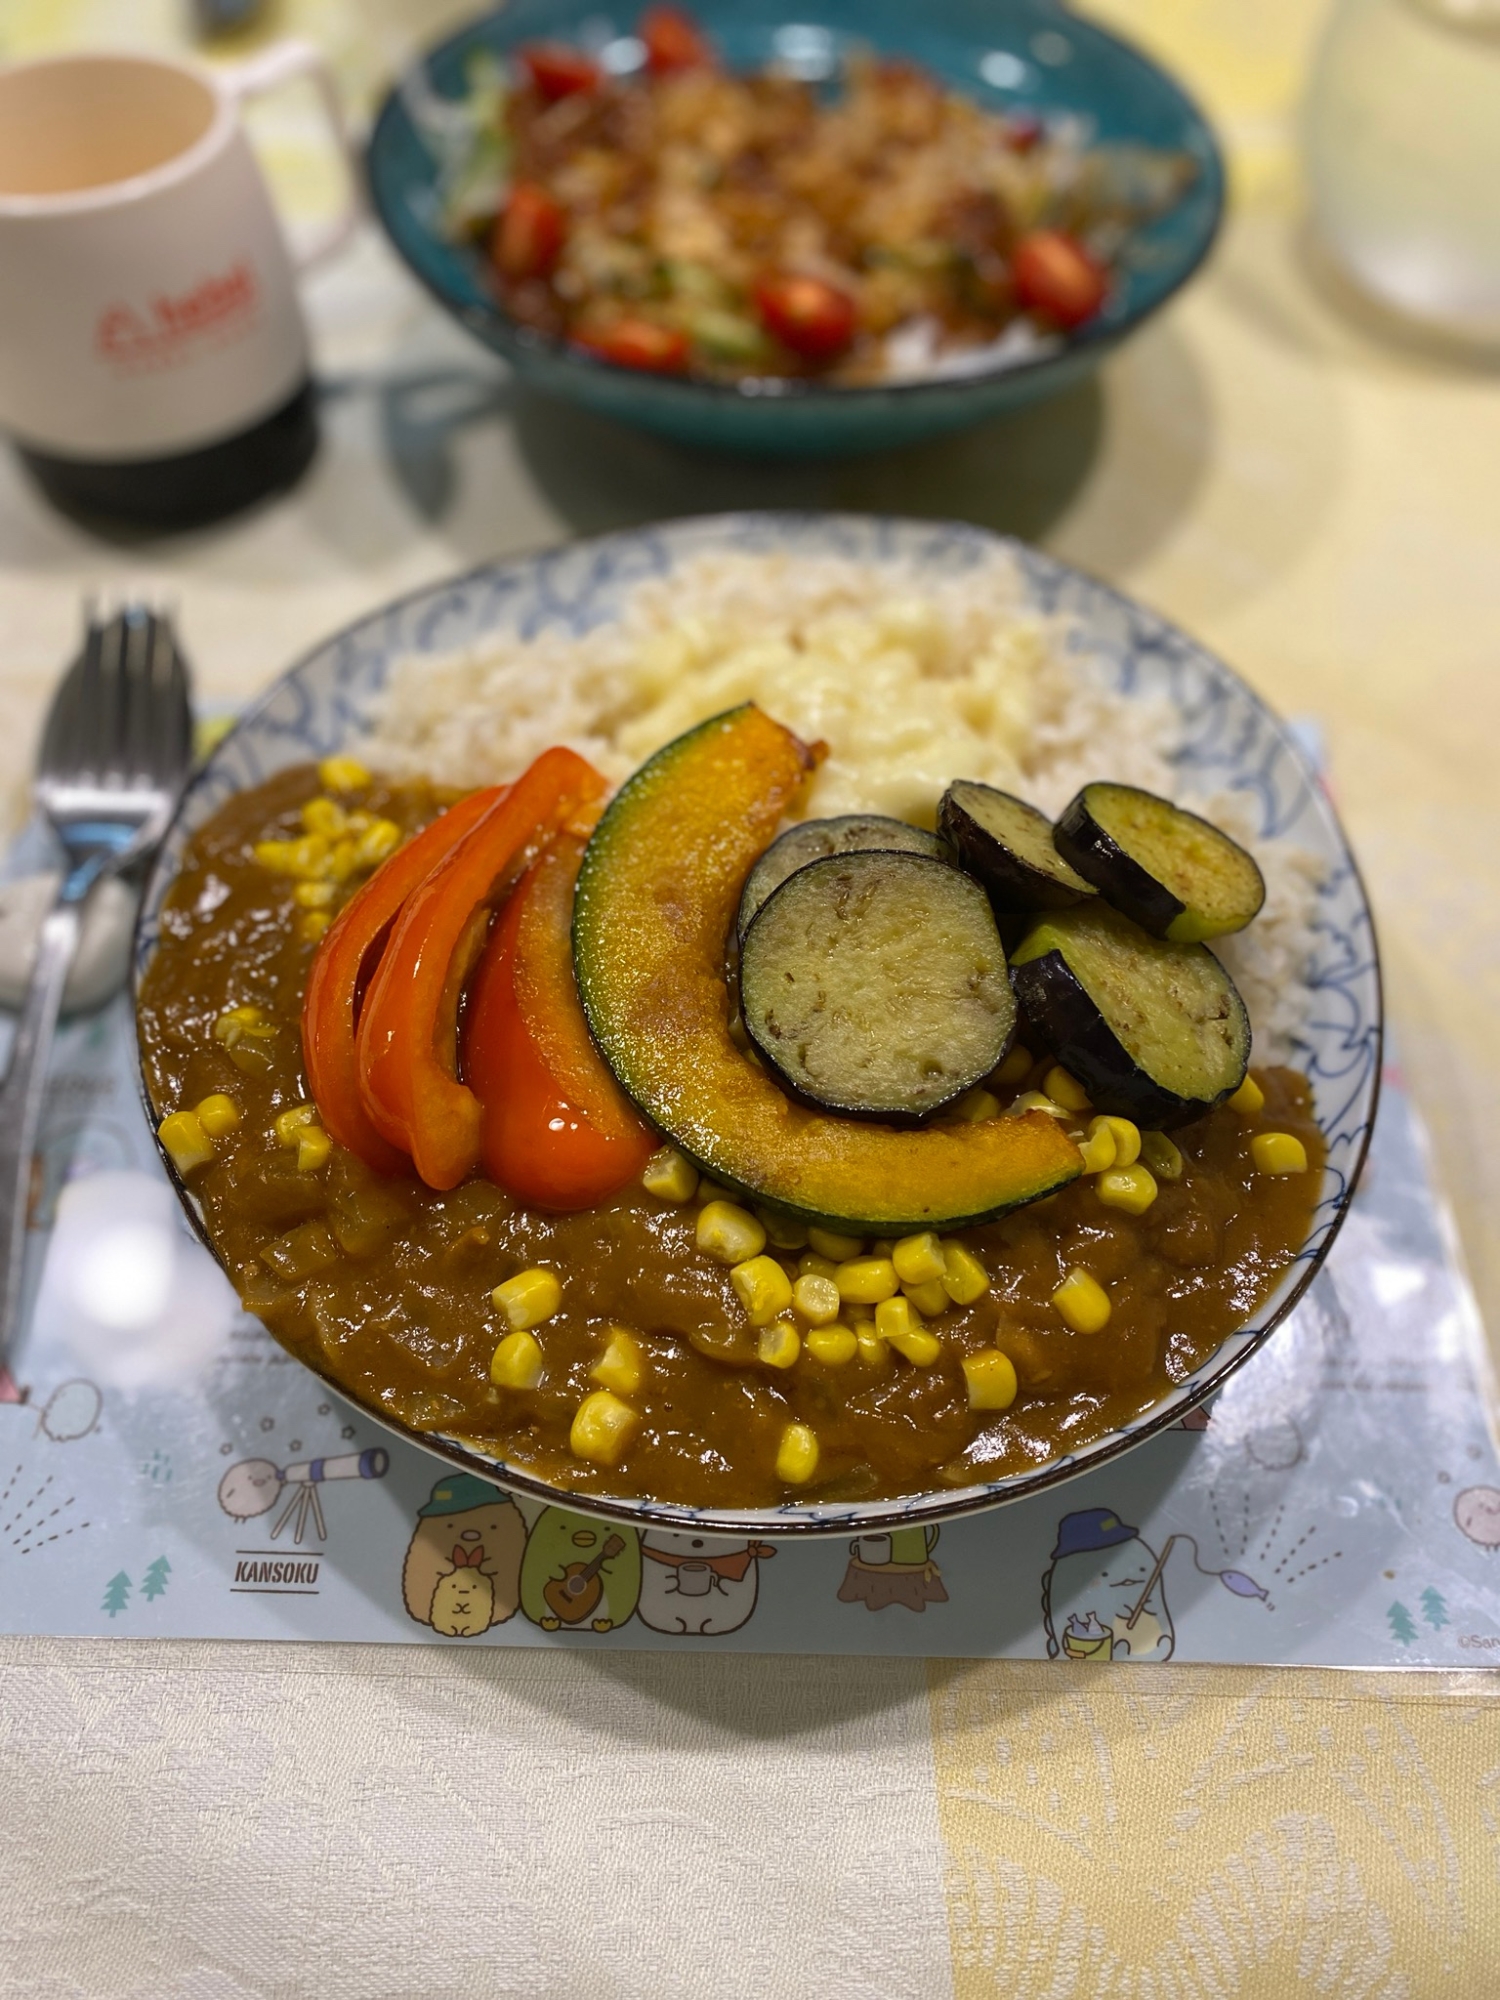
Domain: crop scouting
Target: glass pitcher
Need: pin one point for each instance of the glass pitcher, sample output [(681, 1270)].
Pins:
[(1403, 155)]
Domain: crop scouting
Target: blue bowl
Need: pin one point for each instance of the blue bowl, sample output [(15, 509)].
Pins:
[(1007, 54)]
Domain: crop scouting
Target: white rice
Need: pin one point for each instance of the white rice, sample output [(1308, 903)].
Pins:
[(909, 686)]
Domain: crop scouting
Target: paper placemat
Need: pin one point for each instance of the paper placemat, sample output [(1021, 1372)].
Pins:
[(1340, 1506)]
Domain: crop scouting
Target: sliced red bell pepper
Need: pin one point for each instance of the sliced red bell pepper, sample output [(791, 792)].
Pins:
[(408, 1030), (343, 966), (558, 1132)]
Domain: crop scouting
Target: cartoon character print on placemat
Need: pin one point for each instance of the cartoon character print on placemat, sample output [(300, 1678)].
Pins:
[(1103, 1597), (252, 1487), (462, 1572), (702, 1584), (894, 1569), (578, 1574)]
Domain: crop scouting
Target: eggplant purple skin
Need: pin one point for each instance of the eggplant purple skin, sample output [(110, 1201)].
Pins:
[(1012, 885), (1119, 878), (1058, 1008)]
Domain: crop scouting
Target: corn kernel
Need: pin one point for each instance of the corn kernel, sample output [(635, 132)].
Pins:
[(312, 925), (324, 816), (1065, 1089), (930, 1299), (797, 1455), (816, 1299), (893, 1317), (1083, 1302), (621, 1366), (602, 1427), (828, 1243), (872, 1349), (517, 1362), (289, 1124), (1127, 1139), (867, 1280), (920, 1347), (711, 1191), (238, 1022), (784, 1231), (1130, 1188), (897, 1326), (858, 1313), (919, 1259), (313, 895), (188, 1145), (217, 1115), (669, 1176), (1035, 1100), (964, 1278), (313, 1148), (380, 838), (729, 1232), (1249, 1099), (975, 1106), (991, 1377), (762, 1288), (779, 1346), (529, 1298), (832, 1345), (342, 774), (1098, 1147), (1278, 1153), (1015, 1066), (340, 862), (1162, 1155), (811, 1265)]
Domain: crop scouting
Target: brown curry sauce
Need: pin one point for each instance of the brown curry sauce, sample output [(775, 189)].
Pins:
[(385, 1286)]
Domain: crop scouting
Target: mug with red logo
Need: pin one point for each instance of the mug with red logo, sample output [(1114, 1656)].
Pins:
[(153, 355)]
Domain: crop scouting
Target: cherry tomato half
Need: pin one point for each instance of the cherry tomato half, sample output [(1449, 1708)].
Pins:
[(673, 41), (558, 70), (812, 318), (639, 343), (1055, 275), (529, 232)]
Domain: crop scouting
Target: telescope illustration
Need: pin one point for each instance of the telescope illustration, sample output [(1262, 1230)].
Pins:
[(254, 1485)]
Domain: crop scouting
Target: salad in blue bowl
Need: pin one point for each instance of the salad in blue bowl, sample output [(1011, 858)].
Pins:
[(836, 233)]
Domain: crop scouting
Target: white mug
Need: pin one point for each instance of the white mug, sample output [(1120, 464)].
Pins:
[(148, 303)]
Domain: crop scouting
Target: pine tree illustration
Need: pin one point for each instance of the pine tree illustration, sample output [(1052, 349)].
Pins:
[(116, 1592), (1400, 1623), (155, 1580), (1434, 1609)]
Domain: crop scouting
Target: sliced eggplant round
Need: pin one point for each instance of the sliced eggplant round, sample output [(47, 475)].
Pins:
[(816, 839), (875, 984), (1008, 845), (1174, 874), (1154, 1031)]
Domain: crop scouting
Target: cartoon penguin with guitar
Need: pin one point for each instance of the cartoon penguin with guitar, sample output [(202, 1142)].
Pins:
[(580, 1575)]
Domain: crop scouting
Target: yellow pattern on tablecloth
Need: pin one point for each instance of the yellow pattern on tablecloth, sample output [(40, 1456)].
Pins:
[(1218, 1833)]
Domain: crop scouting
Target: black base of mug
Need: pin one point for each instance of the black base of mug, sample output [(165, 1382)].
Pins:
[(191, 488)]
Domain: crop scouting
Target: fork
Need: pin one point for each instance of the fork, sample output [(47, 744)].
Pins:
[(115, 754)]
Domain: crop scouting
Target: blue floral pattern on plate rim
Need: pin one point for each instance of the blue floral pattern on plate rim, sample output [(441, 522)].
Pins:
[(1229, 735)]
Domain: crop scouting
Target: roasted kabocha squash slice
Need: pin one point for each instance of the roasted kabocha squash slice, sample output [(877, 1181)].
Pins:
[(657, 899)]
